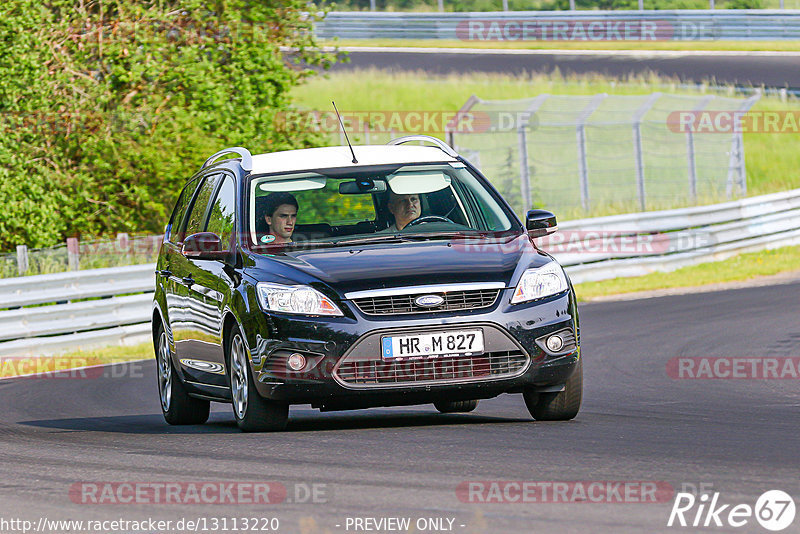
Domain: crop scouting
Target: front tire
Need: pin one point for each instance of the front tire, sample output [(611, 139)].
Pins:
[(177, 406), (253, 412), (560, 406), (456, 406)]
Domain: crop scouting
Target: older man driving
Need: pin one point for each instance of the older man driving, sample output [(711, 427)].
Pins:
[(405, 209)]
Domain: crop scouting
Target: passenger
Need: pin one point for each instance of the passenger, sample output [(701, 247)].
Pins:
[(405, 209), (280, 213)]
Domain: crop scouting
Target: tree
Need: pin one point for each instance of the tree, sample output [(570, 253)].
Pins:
[(110, 105)]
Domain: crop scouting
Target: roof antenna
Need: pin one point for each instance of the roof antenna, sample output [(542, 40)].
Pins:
[(345, 132)]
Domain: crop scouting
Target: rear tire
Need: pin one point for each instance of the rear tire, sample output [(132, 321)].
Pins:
[(560, 406), (177, 406), (253, 412), (456, 406)]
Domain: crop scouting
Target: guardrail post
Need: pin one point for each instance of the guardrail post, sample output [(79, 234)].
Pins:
[(572, 5), (441, 5), (73, 253), (583, 171), (22, 259), (637, 145), (505, 5)]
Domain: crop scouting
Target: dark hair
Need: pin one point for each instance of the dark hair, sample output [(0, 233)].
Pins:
[(275, 200)]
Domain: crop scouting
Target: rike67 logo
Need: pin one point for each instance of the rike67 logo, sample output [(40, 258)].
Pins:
[(774, 510)]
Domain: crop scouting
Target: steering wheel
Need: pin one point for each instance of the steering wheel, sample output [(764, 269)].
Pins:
[(429, 218)]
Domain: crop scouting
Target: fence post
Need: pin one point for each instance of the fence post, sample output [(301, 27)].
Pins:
[(638, 115), (73, 253), (736, 160), (372, 6), (690, 156), (505, 5), (22, 259), (523, 122), (580, 130), (524, 171), (572, 5), (441, 5)]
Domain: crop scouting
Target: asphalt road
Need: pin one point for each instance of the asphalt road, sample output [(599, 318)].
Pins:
[(738, 436), (770, 70)]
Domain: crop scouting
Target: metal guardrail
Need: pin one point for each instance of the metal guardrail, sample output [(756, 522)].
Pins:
[(682, 25), (590, 249), (641, 243)]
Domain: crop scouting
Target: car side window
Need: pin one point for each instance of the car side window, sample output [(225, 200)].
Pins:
[(197, 216), (179, 212), (221, 218)]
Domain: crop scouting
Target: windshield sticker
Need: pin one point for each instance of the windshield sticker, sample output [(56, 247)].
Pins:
[(269, 238)]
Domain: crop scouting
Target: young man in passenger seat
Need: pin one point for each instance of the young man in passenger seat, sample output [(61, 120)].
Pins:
[(280, 213)]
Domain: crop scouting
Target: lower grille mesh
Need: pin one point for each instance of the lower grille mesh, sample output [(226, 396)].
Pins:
[(427, 370)]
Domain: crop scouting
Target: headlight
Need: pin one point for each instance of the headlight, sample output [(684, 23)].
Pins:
[(295, 299), (540, 282)]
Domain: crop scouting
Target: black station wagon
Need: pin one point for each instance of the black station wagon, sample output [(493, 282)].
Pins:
[(390, 275)]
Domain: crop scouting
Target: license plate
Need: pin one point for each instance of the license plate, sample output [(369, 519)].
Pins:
[(432, 344)]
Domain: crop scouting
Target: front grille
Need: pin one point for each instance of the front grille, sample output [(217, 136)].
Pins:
[(453, 300), (432, 369)]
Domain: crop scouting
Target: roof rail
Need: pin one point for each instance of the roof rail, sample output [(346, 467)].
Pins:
[(428, 139), (247, 158)]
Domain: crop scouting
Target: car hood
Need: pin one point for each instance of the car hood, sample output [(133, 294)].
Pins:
[(385, 265)]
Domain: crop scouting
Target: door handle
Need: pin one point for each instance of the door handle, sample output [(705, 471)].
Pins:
[(188, 281)]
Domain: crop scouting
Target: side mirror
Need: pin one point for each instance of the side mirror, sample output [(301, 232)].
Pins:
[(540, 223), (203, 246)]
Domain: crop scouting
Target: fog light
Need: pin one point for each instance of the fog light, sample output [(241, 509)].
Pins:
[(554, 343), (296, 361)]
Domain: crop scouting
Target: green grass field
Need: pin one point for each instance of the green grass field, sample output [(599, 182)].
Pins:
[(739, 268), (700, 46)]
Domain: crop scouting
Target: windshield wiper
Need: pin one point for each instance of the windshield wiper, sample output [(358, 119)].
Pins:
[(365, 240), (434, 235)]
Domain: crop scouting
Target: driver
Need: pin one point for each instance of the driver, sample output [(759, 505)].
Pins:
[(405, 209)]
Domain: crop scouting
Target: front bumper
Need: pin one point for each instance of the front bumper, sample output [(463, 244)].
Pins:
[(328, 342)]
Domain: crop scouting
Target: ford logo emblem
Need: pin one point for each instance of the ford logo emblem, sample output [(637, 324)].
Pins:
[(429, 301)]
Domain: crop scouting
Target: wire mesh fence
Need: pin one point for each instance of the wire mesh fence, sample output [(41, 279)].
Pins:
[(601, 154), (77, 255)]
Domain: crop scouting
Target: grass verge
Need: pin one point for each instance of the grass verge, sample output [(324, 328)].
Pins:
[(739, 268), (682, 46), (59, 366)]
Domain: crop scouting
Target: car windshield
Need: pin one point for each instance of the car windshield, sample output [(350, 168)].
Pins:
[(372, 204)]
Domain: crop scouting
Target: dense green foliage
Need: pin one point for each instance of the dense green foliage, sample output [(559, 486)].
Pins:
[(109, 106)]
